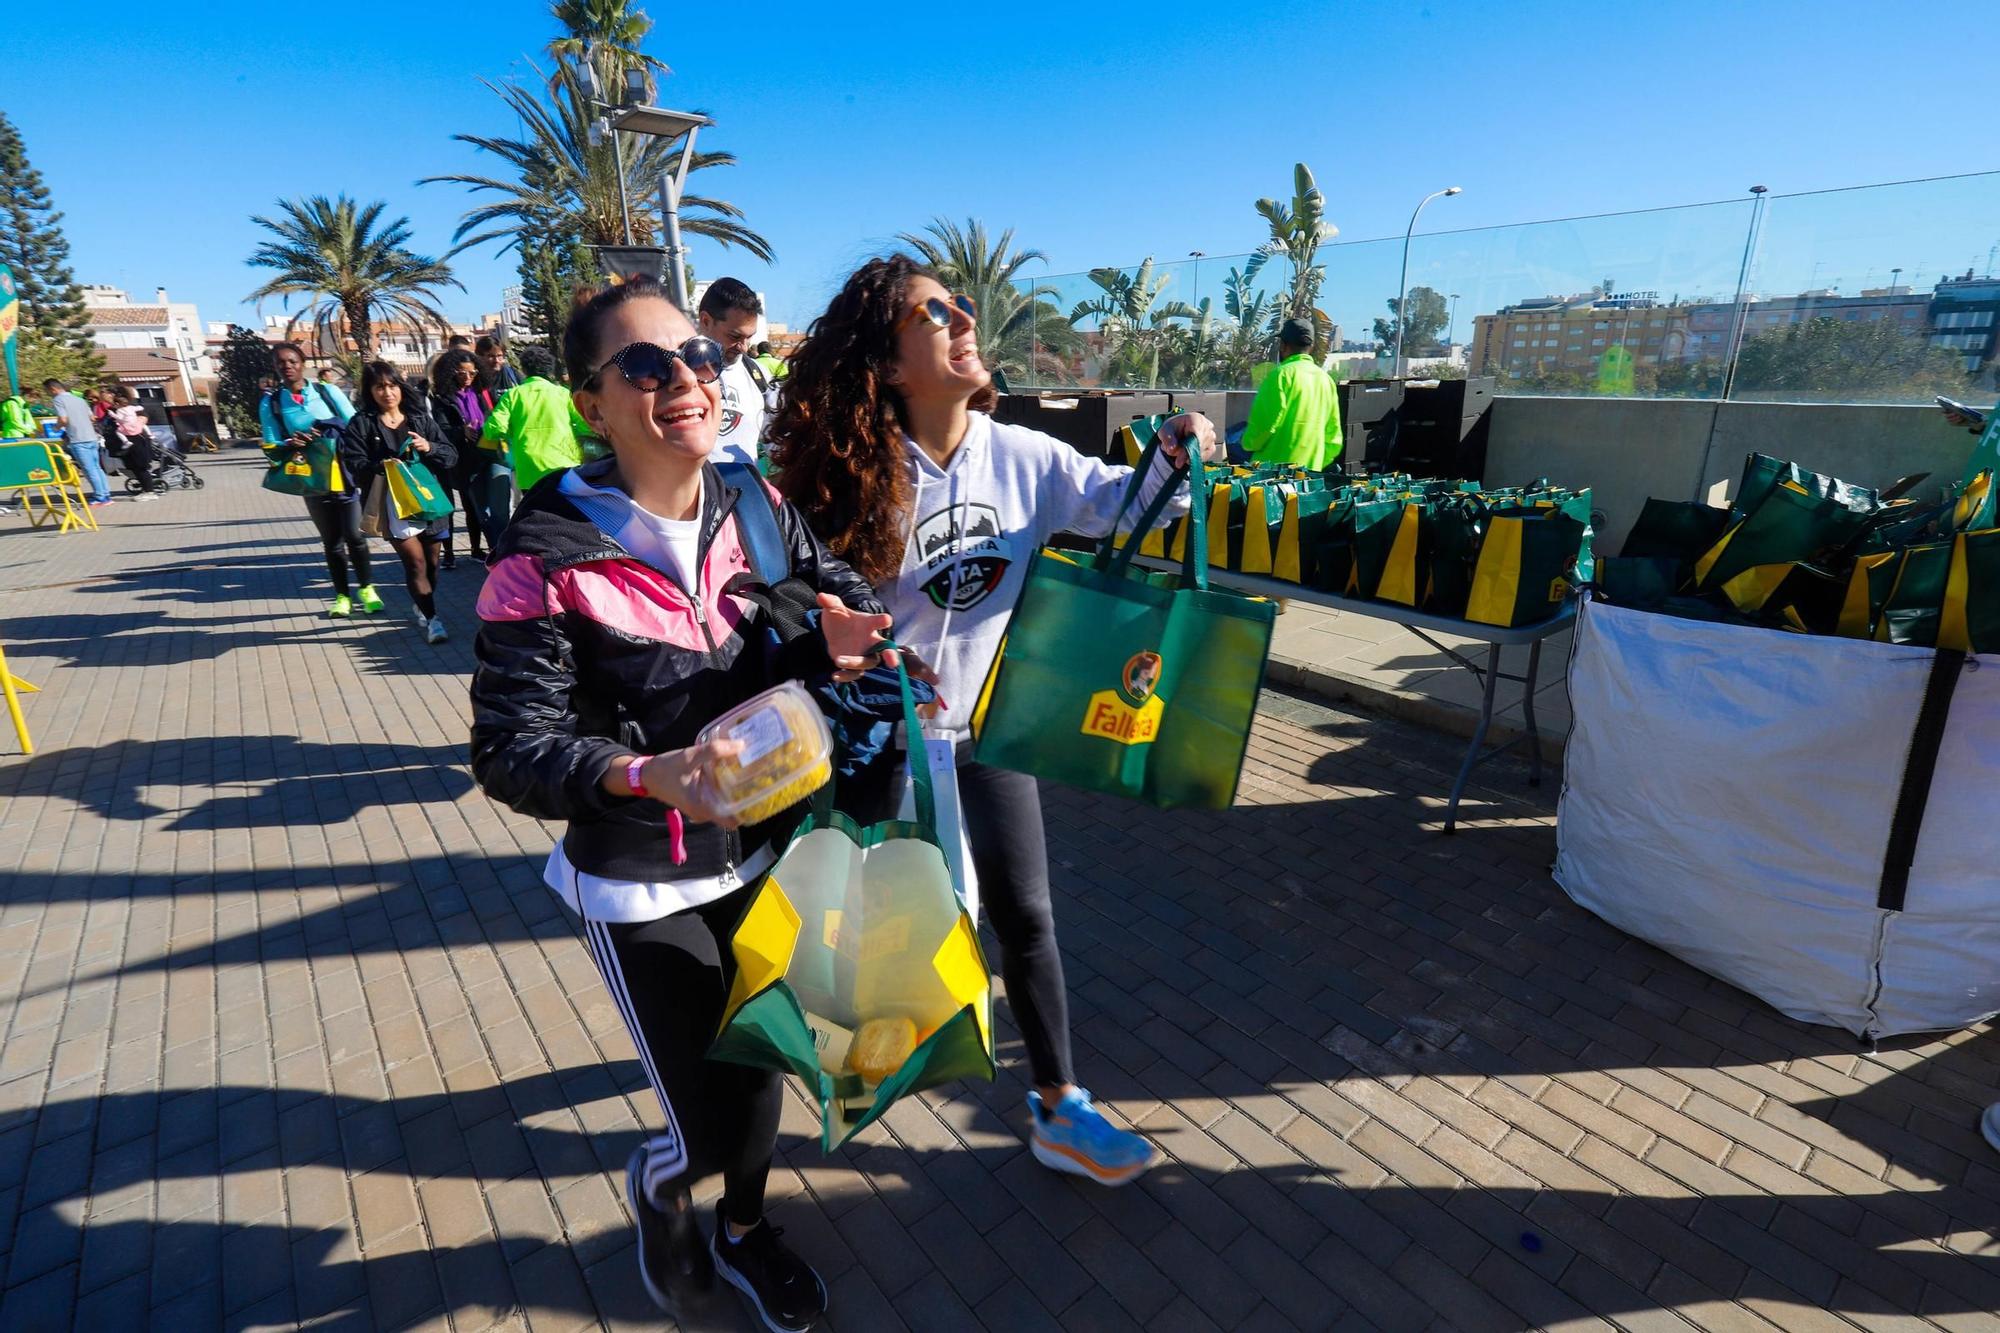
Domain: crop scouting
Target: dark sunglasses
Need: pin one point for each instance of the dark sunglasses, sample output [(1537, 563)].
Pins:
[(648, 366), (938, 311)]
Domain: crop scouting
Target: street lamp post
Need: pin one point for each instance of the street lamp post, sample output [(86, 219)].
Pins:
[(1451, 328), (1197, 256), (187, 380), (1403, 283)]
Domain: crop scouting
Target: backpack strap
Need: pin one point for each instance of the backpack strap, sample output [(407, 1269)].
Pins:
[(327, 398), (757, 375), (757, 522)]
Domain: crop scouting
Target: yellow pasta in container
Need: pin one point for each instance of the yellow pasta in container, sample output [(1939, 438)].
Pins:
[(787, 753)]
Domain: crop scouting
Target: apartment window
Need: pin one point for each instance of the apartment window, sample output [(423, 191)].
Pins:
[(1910, 313), (1601, 324), (1596, 342), (1963, 319), (159, 341), (1520, 342), (1658, 324), (1653, 341)]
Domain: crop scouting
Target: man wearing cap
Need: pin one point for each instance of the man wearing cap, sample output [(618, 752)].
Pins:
[(1296, 418)]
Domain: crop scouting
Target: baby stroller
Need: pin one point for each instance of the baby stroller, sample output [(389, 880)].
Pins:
[(170, 466)]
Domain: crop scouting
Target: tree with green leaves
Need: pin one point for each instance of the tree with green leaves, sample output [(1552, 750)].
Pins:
[(1022, 333), (350, 269), (610, 31), (1131, 322), (552, 271), (246, 358), (1850, 359), (1428, 315), (52, 341), (1298, 228), (558, 182)]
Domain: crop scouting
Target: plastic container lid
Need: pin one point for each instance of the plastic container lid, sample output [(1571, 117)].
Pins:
[(787, 753)]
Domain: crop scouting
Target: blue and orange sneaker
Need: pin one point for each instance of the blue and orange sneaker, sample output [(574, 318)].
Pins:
[(1075, 1138)]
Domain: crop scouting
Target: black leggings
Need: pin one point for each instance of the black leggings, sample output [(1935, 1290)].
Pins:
[(338, 518), (420, 563), (1010, 855), (668, 980)]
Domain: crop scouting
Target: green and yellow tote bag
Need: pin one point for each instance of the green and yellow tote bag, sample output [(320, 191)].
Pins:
[(1125, 681), (856, 967)]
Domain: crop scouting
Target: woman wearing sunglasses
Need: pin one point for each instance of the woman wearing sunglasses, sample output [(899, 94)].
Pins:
[(885, 443), (613, 627)]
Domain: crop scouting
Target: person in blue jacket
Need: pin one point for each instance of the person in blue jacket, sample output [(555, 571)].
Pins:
[(292, 414)]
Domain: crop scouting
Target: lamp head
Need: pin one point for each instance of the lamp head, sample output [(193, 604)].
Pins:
[(1452, 190)]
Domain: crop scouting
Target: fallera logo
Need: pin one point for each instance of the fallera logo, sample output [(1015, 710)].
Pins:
[(1130, 714)]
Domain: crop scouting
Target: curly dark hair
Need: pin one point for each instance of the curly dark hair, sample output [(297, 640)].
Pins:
[(838, 438)]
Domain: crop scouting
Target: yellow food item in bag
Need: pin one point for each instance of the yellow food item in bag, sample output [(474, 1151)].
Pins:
[(881, 1046)]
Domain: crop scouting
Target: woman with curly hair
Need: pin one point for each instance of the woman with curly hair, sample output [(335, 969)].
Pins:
[(885, 444)]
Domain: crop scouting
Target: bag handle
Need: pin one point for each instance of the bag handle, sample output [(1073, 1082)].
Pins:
[(1194, 560), (919, 762), (1133, 485)]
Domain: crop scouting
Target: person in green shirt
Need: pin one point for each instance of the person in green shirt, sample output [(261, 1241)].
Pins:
[(540, 426), (17, 421), (1296, 417)]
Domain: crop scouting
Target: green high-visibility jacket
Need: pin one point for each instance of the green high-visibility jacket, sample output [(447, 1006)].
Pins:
[(16, 421), (541, 427), (1296, 418)]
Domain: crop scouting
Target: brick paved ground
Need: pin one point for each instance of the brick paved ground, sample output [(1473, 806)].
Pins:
[(292, 1034)]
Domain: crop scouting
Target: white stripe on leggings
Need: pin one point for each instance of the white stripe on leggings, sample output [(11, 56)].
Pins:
[(666, 1154)]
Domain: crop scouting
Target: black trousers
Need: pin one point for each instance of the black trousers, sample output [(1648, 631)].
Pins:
[(338, 519), (1010, 855), (668, 980)]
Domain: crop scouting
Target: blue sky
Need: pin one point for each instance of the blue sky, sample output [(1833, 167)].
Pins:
[(1102, 134)]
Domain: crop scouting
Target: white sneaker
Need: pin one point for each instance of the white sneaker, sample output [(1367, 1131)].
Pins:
[(436, 632), (144, 496), (423, 621)]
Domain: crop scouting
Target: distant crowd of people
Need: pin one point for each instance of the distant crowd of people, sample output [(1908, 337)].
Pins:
[(485, 425)]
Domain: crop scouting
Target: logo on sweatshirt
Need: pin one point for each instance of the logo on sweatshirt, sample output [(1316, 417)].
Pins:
[(961, 569)]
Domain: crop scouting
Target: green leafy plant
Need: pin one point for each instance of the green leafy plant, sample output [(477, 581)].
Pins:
[(349, 268)]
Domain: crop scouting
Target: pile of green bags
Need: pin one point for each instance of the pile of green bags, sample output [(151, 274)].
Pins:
[(1505, 557), (1802, 551)]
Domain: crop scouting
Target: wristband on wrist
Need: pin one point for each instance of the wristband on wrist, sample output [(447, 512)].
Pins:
[(635, 776)]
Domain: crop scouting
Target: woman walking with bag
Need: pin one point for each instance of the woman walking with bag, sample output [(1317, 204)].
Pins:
[(385, 430), (612, 630), (884, 443), (461, 401), (295, 415)]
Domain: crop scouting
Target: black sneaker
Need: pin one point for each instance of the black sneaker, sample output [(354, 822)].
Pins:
[(673, 1261), (783, 1290)]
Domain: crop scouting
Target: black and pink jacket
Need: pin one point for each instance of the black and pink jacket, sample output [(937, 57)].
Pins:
[(586, 654)]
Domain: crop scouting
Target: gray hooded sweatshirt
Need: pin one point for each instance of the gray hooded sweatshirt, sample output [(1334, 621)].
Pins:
[(975, 530)]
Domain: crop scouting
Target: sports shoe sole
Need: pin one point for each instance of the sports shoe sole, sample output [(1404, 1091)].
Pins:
[(1073, 1163), (727, 1272)]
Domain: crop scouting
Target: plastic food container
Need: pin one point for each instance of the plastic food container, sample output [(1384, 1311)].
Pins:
[(787, 753)]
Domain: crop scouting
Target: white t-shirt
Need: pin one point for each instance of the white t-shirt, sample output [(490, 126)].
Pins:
[(671, 544), (742, 423)]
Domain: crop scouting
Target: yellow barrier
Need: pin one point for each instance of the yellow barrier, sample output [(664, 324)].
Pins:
[(14, 688)]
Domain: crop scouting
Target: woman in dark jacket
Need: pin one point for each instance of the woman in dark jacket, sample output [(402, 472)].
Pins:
[(392, 424), (460, 400), (614, 625)]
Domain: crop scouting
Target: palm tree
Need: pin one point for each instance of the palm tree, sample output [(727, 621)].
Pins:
[(613, 28), (565, 187), (1021, 334), (349, 267), (1131, 324), (1297, 232)]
